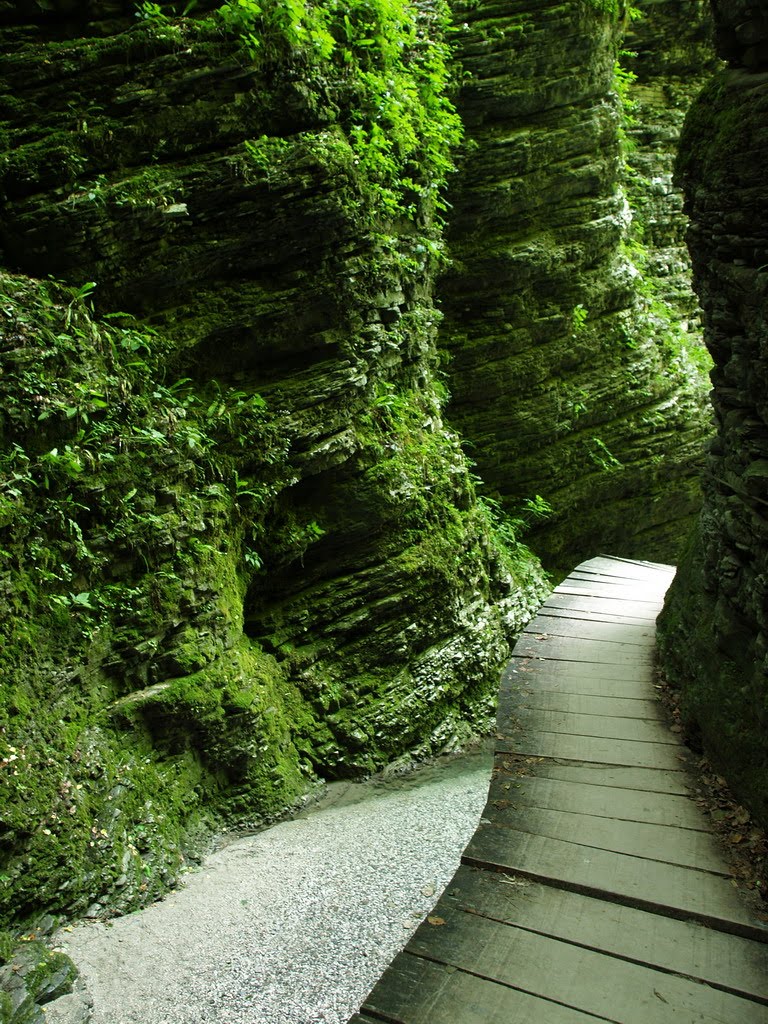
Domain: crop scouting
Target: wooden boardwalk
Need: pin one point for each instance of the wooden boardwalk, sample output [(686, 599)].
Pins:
[(592, 889)]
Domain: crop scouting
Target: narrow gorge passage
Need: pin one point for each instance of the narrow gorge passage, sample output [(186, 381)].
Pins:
[(332, 334)]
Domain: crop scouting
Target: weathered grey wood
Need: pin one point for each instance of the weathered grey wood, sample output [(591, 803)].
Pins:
[(563, 678), (592, 889), (641, 780), (601, 801), (569, 723), (676, 891), (667, 844), (522, 665), (573, 649), (611, 586), (627, 753), (627, 602), (579, 601), (607, 987), (561, 610), (590, 704), (727, 961), (627, 569), (613, 632), (418, 991)]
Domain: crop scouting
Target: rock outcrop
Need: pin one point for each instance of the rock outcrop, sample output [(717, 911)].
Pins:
[(571, 377), (714, 630), (239, 548)]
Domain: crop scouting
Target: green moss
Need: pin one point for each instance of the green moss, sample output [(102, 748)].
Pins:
[(268, 456)]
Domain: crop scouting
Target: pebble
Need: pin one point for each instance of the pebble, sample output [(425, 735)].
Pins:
[(295, 924)]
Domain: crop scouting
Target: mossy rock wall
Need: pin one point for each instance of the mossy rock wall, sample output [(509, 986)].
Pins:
[(239, 548), (714, 629), (570, 373)]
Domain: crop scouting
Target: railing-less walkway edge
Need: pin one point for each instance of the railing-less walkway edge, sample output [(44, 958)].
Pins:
[(592, 889)]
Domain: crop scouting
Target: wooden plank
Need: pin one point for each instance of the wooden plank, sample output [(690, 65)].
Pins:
[(602, 801), (640, 780), (418, 991), (628, 569), (726, 961), (570, 612), (643, 601), (606, 987), (627, 753), (614, 586), (590, 651), (617, 728), (523, 664), (589, 704), (613, 632), (662, 888), (666, 844), (559, 677), (579, 601), (636, 575), (661, 566)]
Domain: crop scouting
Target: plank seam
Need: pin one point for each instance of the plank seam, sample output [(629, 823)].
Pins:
[(606, 849), (547, 759), (534, 734), (754, 997), (673, 741), (607, 817), (719, 924), (513, 988)]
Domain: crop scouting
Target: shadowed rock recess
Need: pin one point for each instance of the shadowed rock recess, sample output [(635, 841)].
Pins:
[(240, 547), (714, 631)]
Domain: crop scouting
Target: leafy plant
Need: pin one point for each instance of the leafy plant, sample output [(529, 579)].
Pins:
[(152, 12)]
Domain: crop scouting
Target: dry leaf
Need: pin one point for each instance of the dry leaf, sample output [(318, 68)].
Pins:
[(435, 920)]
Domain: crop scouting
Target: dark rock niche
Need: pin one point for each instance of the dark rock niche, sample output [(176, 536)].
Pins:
[(714, 629)]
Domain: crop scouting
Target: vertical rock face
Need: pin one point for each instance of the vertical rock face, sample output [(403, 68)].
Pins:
[(715, 626), (567, 380), (239, 548), (670, 53)]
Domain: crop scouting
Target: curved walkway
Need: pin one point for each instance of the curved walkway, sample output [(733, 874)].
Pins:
[(592, 889)]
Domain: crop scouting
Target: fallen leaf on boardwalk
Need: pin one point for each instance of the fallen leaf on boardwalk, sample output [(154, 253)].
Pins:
[(428, 890), (435, 920)]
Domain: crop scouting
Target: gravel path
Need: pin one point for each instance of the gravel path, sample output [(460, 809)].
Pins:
[(293, 925)]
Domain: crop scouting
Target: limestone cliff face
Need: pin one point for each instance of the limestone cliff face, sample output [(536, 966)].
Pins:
[(239, 548), (715, 627), (570, 373)]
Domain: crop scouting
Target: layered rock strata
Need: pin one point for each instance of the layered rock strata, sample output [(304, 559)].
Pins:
[(239, 548), (714, 630), (570, 378)]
